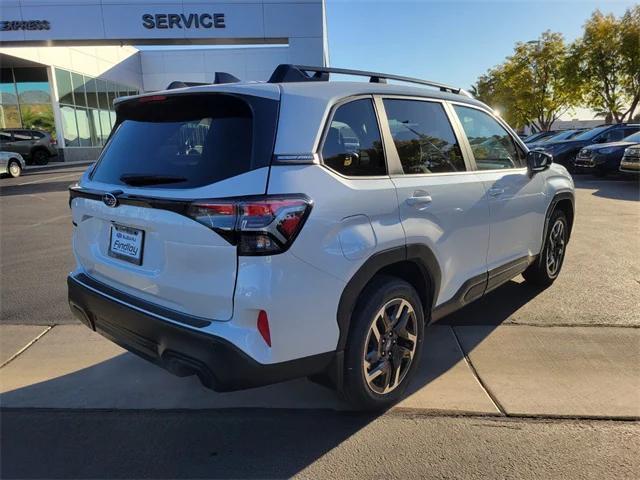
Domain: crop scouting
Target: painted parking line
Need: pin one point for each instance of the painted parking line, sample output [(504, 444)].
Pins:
[(44, 180), (44, 222)]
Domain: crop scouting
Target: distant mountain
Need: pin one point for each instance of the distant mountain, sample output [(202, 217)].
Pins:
[(35, 96)]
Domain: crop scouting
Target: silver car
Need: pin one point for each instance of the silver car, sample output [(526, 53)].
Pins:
[(11, 164)]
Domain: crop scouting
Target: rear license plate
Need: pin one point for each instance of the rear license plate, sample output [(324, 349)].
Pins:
[(126, 243)]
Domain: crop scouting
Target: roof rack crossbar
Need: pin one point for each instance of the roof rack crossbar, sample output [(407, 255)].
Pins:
[(288, 73)]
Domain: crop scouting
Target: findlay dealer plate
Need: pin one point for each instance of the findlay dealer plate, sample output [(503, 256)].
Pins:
[(126, 243)]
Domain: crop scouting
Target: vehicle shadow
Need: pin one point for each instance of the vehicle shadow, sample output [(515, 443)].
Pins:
[(174, 428), (616, 188), (44, 187)]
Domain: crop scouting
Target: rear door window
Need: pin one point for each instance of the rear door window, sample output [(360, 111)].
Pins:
[(6, 137), (187, 141), (22, 135), (423, 137), (353, 145)]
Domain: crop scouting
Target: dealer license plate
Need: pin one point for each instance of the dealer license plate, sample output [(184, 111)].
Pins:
[(126, 243)]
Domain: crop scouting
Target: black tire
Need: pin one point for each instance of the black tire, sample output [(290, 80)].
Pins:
[(540, 273), (382, 292), (14, 169), (40, 156)]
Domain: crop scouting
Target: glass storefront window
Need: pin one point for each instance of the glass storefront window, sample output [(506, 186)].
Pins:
[(69, 126), (77, 81), (112, 93), (103, 87), (9, 116), (32, 85), (105, 123), (8, 94), (84, 127), (39, 117), (87, 126), (65, 90), (92, 94), (95, 120)]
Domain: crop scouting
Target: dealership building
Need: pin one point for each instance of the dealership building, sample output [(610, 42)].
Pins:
[(63, 62)]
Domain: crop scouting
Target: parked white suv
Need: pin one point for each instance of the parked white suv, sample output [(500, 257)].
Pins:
[(251, 233)]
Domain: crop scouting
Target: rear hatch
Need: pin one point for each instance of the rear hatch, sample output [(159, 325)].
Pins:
[(134, 230)]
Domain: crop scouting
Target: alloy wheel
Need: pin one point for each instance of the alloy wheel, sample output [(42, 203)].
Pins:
[(14, 169), (555, 250), (390, 346)]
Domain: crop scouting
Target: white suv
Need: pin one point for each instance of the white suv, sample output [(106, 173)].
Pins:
[(251, 233)]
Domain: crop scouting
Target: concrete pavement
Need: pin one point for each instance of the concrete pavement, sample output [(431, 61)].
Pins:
[(311, 444), (509, 370)]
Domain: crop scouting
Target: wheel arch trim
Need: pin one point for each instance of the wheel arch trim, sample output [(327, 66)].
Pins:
[(421, 255), (557, 198)]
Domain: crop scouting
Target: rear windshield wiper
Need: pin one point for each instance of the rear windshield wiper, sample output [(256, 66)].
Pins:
[(137, 180)]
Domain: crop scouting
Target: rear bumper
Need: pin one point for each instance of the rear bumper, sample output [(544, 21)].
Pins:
[(182, 350)]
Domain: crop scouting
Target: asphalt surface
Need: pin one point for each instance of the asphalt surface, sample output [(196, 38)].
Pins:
[(281, 444), (599, 284)]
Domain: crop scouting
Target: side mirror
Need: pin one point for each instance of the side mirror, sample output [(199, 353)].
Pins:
[(538, 161)]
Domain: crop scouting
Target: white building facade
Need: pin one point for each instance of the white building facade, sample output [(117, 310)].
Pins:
[(64, 61)]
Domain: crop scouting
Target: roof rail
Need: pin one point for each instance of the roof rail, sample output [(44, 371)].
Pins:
[(219, 78), (285, 73)]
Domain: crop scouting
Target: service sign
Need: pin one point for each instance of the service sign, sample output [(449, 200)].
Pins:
[(183, 20)]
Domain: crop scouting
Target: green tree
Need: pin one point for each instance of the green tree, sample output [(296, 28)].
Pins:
[(535, 85), (607, 63)]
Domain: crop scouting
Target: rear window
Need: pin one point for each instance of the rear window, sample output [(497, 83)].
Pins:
[(187, 141)]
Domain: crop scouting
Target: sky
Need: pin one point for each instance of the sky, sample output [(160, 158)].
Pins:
[(451, 42)]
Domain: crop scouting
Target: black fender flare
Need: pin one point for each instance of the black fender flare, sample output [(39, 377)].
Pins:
[(552, 205), (419, 254)]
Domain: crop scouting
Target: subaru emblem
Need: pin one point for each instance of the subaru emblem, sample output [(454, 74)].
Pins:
[(110, 200)]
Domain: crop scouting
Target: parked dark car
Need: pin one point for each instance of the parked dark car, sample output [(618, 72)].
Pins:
[(603, 158), (562, 135), (565, 151), (536, 137), (35, 146), (630, 164)]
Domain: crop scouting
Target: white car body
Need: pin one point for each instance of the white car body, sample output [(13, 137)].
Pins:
[(471, 229), (5, 161)]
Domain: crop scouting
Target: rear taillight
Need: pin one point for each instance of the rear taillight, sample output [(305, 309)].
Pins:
[(259, 225)]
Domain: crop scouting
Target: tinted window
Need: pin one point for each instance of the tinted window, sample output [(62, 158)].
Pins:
[(613, 135), (196, 140), (589, 134), (353, 145), (492, 146), (423, 137), (634, 137), (5, 136), (22, 135)]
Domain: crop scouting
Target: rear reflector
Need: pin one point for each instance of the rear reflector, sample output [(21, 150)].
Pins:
[(263, 327), (264, 225)]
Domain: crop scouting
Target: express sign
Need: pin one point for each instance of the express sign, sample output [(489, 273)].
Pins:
[(181, 20), (13, 25)]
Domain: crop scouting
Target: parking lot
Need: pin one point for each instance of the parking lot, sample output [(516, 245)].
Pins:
[(598, 286), (548, 378)]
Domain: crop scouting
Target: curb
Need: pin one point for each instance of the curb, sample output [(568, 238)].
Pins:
[(56, 166)]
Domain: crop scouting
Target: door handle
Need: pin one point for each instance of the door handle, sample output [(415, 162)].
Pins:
[(496, 191), (419, 198)]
